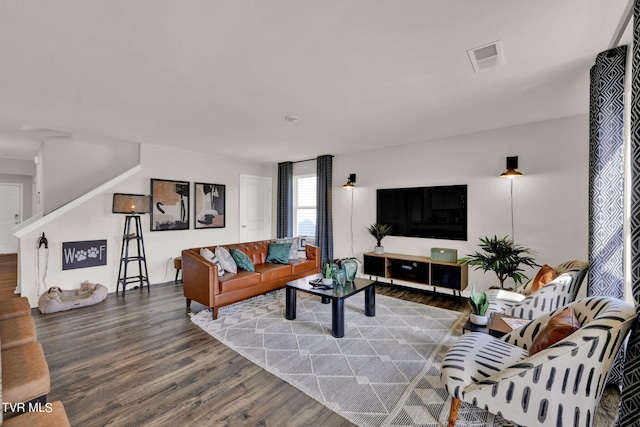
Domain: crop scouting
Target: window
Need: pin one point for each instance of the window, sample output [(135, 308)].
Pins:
[(304, 202)]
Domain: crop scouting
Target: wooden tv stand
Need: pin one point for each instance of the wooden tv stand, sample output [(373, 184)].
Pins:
[(417, 269)]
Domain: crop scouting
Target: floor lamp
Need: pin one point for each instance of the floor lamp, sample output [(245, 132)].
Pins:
[(350, 186), (511, 173)]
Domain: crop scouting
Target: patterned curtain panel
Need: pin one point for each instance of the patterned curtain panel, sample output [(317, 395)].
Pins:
[(324, 206), (606, 183), (285, 200), (606, 175), (630, 406)]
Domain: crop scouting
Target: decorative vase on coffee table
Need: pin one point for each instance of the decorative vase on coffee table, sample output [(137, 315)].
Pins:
[(350, 267), (340, 277)]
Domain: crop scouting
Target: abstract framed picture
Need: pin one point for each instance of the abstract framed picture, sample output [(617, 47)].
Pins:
[(169, 205), (209, 209)]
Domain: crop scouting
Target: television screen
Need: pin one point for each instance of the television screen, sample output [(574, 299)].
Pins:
[(429, 212)]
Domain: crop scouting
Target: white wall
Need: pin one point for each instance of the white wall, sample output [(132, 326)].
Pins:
[(76, 165), (550, 201), (93, 220)]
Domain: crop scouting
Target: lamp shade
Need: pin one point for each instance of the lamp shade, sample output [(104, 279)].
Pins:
[(131, 203), (512, 165)]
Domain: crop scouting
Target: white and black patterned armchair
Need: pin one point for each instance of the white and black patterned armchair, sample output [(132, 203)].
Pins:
[(560, 385), (559, 292)]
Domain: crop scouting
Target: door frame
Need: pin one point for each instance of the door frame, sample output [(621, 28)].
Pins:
[(20, 205), (241, 207)]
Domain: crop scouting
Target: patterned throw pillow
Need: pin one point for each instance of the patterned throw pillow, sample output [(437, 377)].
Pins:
[(278, 253), (226, 261), (242, 260), (210, 256)]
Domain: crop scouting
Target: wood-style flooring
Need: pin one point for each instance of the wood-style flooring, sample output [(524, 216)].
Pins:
[(140, 361)]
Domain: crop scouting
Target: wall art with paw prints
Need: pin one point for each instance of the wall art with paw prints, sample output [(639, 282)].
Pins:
[(90, 253)]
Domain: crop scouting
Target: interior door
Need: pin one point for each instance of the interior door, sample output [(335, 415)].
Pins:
[(10, 216), (255, 208)]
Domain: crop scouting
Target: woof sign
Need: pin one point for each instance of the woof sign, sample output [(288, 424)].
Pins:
[(89, 253)]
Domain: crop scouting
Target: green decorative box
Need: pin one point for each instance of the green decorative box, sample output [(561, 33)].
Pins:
[(444, 255)]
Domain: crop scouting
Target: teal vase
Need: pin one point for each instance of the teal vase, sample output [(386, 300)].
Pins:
[(350, 267)]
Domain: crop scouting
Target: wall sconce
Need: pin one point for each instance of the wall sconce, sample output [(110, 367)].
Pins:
[(512, 165), (350, 181)]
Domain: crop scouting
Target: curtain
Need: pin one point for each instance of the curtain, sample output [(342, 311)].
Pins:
[(606, 175), (285, 200), (324, 205), (630, 405)]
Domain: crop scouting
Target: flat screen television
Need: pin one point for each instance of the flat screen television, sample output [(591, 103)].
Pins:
[(428, 212)]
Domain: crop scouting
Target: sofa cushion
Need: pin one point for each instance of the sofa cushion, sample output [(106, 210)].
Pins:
[(25, 374), (241, 280), (301, 265), (242, 260), (295, 243), (271, 272), (545, 276), (210, 256), (226, 260), (556, 329), (278, 253)]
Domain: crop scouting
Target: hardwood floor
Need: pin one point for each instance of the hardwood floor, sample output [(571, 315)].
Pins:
[(8, 275), (140, 361)]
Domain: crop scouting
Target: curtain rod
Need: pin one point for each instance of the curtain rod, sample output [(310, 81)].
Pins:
[(622, 25), (307, 160)]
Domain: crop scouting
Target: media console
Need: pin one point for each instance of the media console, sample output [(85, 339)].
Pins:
[(417, 269)]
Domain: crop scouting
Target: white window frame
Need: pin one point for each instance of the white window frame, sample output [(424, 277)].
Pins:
[(311, 238)]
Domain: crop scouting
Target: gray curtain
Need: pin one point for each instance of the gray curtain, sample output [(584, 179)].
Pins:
[(324, 206), (606, 175), (606, 183), (630, 406), (285, 200)]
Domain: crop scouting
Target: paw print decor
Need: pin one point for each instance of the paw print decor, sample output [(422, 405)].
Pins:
[(91, 253)]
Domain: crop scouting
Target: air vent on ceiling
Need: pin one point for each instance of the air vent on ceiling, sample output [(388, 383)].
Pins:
[(486, 56)]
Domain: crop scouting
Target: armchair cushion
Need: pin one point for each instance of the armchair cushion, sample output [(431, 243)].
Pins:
[(545, 276), (556, 329)]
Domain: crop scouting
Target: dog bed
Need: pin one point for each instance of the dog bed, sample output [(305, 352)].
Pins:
[(57, 299)]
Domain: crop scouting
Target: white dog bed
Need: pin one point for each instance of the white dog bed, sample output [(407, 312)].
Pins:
[(56, 299)]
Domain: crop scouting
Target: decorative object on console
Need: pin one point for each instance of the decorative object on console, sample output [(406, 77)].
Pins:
[(209, 205), (350, 181), (502, 257), (379, 232), (170, 205), (479, 307), (444, 254)]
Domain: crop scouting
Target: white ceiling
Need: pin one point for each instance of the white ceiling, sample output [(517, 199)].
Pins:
[(220, 76)]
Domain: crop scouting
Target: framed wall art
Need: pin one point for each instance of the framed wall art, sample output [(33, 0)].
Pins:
[(169, 205), (209, 211)]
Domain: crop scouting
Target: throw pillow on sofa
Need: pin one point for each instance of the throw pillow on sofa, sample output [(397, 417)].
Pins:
[(293, 251), (226, 260), (278, 253), (210, 256), (242, 260)]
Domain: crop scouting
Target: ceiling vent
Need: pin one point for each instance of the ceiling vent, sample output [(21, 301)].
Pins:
[(486, 56)]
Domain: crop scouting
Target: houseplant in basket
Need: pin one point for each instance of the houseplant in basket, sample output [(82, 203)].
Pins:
[(503, 257), (479, 305), (379, 232)]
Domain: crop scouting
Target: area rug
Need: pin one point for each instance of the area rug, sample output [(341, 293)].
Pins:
[(383, 372)]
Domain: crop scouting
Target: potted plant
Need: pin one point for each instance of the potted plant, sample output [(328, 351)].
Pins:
[(479, 307), (327, 274), (503, 257), (379, 232)]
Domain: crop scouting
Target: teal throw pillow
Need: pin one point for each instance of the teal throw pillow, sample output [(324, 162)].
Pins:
[(278, 253), (242, 260)]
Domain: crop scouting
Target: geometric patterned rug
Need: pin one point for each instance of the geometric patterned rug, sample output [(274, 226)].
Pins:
[(383, 372)]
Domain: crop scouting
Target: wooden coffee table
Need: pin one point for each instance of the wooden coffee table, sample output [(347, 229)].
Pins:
[(336, 296)]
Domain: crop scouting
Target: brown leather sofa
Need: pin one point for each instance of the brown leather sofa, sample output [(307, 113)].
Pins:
[(202, 284)]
